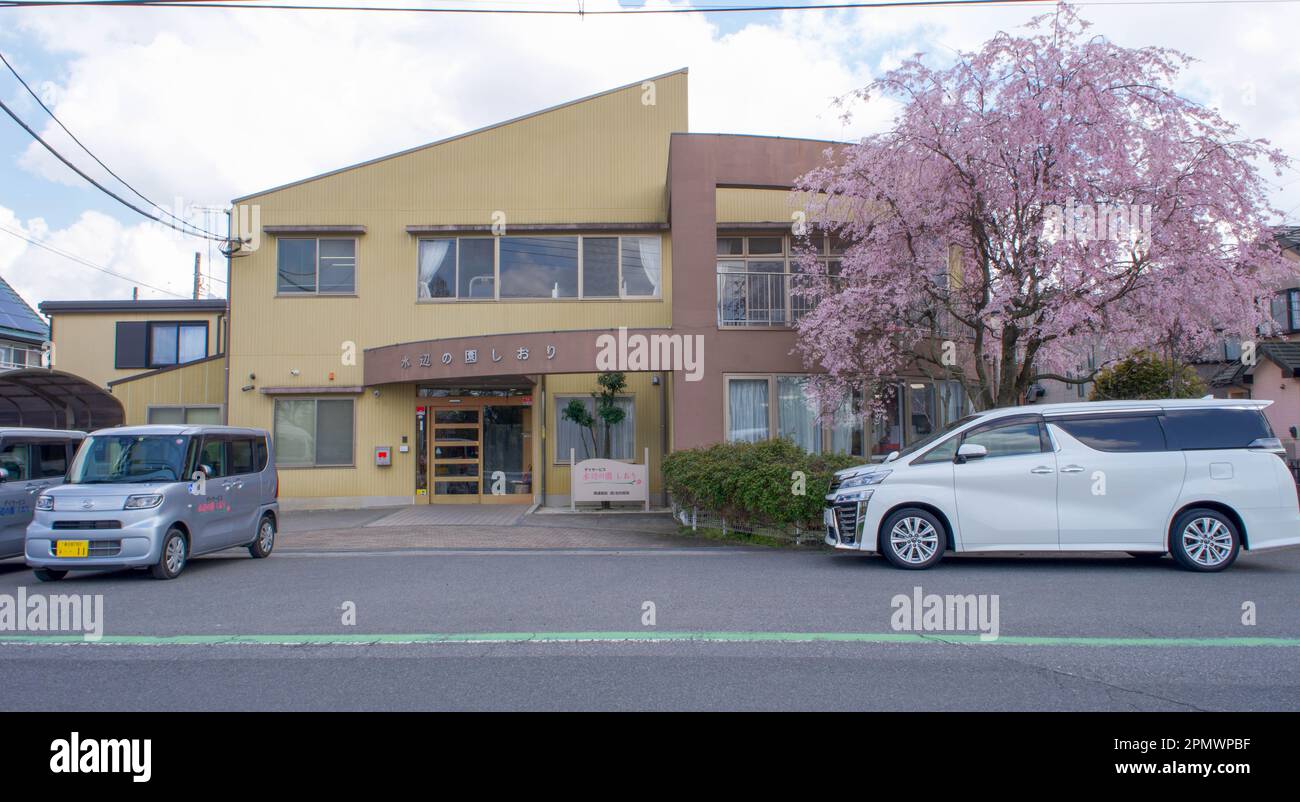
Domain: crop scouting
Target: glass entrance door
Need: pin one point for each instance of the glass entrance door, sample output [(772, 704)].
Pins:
[(507, 453), (480, 450), (456, 454)]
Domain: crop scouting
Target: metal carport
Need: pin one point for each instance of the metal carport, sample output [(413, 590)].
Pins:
[(52, 399)]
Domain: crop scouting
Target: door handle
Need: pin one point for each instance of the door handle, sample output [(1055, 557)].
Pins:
[(1041, 469), (1072, 469)]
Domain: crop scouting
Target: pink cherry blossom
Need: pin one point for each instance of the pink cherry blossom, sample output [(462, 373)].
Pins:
[(973, 219)]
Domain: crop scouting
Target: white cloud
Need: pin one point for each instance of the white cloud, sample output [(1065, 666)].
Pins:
[(206, 105), (149, 254)]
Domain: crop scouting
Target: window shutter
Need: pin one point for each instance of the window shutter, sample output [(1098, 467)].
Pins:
[(132, 345)]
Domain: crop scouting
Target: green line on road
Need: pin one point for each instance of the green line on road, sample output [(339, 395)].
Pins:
[(642, 636)]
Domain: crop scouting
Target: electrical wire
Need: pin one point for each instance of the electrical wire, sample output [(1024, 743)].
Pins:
[(745, 9), (98, 161), (95, 183), (85, 262)]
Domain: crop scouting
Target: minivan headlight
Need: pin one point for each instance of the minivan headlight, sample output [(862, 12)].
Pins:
[(144, 502), (45, 503), (864, 479)]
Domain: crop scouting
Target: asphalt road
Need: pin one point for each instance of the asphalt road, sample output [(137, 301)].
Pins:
[(733, 629)]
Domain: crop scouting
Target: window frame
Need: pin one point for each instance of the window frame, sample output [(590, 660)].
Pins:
[(562, 401), (496, 268), (1155, 414), (316, 291), (791, 254), (825, 429), (185, 408), (1045, 444), (150, 325), (314, 465)]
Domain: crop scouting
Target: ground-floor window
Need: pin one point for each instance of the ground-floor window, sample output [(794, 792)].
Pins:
[(569, 435), (180, 415), (911, 412), (314, 432)]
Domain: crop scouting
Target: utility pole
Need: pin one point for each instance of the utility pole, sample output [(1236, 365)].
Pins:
[(198, 274), (135, 293)]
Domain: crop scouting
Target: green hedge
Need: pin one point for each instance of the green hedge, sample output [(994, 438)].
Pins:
[(751, 482)]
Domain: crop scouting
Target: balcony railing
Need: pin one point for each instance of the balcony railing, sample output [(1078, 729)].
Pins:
[(764, 300), (19, 358)]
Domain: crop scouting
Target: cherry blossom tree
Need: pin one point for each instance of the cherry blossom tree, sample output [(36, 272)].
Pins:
[(1047, 196)]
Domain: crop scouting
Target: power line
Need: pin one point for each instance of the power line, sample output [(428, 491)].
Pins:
[(85, 262), (98, 161), (95, 183), (746, 9)]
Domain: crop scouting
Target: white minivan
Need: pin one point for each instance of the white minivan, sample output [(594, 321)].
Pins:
[(1198, 479)]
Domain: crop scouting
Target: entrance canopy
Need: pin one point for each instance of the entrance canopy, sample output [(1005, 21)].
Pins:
[(51, 399)]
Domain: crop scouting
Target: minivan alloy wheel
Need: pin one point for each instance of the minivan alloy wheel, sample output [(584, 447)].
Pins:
[(914, 539), (266, 534), (1207, 541)]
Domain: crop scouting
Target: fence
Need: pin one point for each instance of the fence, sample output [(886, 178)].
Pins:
[(697, 519)]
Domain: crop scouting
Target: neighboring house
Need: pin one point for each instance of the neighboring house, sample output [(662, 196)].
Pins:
[(163, 359), (1274, 373), (22, 331), (440, 306)]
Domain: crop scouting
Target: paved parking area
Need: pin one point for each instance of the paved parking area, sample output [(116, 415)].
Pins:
[(475, 527)]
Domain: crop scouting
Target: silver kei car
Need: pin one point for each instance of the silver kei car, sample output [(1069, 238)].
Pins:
[(155, 496)]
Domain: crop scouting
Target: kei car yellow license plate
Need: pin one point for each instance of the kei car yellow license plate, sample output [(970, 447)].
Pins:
[(72, 548)]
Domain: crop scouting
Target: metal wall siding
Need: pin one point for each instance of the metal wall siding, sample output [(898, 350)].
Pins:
[(84, 341), (200, 384), (601, 160)]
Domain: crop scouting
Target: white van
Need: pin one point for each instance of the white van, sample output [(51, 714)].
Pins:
[(1198, 479)]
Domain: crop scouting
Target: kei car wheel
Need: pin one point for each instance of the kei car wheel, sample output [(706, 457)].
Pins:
[(49, 574), (175, 551), (265, 540), (1204, 540), (913, 538)]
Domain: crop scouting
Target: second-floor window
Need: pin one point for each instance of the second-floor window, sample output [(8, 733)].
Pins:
[(176, 343), (1286, 310), (159, 343), (540, 267), (311, 266), (757, 276)]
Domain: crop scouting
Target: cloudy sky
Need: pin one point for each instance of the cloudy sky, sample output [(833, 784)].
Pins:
[(163, 97)]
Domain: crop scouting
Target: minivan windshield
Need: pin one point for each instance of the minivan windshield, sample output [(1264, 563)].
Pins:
[(924, 443), (122, 458)]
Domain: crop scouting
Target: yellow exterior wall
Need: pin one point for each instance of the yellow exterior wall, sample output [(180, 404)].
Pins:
[(600, 160), (736, 205), (649, 415), (84, 342), (196, 384)]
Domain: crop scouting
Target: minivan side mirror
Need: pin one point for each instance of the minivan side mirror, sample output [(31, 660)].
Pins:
[(893, 455), (207, 470), (969, 451)]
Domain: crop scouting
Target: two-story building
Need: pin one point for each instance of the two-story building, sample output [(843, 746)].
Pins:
[(163, 360), (22, 331), (441, 306)]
